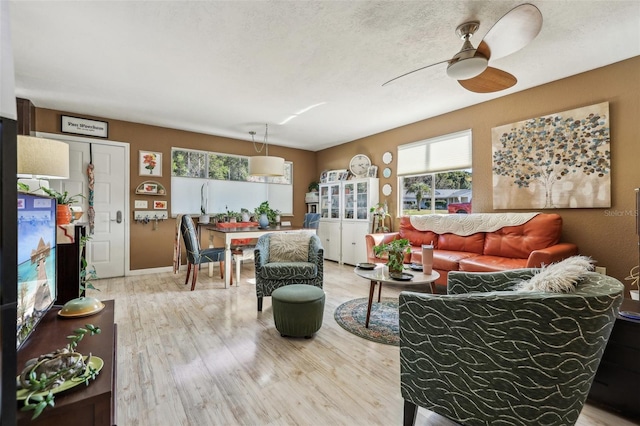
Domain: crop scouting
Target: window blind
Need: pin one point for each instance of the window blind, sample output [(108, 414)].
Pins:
[(444, 153)]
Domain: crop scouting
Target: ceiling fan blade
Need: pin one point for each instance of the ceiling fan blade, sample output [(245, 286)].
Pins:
[(513, 31), (491, 80), (411, 72)]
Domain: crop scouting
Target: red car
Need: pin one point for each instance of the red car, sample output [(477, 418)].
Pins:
[(459, 208)]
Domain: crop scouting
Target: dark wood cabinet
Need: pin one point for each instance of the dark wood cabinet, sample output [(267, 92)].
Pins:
[(69, 260), (82, 405), (617, 382)]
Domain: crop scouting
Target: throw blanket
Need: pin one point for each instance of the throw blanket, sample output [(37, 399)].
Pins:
[(468, 224), (176, 245)]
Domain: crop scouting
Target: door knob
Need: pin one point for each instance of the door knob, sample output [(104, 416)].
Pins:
[(118, 218)]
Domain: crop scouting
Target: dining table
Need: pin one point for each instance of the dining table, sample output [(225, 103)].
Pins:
[(231, 232)]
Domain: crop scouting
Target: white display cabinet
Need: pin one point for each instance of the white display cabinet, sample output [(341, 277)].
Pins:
[(345, 218)]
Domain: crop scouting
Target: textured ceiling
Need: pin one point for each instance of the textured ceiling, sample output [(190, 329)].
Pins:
[(227, 67)]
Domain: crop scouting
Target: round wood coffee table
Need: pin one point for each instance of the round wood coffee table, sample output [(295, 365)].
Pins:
[(380, 275)]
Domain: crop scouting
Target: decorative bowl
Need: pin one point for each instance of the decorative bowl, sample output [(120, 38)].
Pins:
[(81, 307)]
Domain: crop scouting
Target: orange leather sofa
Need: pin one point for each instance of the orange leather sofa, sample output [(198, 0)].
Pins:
[(529, 245)]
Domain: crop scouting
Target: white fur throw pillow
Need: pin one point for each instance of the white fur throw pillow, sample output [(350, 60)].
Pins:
[(560, 277), (289, 247)]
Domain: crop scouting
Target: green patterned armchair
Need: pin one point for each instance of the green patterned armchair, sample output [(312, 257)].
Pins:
[(482, 354), (283, 258)]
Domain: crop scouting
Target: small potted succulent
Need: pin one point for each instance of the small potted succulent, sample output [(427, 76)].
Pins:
[(395, 251)]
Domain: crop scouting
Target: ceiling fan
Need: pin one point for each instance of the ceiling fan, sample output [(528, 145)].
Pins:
[(469, 66)]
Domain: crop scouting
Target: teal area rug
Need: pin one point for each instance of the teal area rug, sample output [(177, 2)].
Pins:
[(383, 324)]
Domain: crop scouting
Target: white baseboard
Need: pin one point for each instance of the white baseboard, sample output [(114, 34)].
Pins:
[(153, 270)]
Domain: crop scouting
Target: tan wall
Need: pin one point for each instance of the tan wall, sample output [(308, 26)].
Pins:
[(152, 249), (607, 235)]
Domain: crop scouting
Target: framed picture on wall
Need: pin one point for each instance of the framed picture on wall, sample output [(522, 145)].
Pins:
[(150, 163), (160, 205), (373, 171)]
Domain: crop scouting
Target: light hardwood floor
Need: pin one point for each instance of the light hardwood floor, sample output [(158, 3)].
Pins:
[(208, 357)]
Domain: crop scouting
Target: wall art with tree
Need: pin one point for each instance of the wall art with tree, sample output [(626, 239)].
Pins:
[(561, 160)]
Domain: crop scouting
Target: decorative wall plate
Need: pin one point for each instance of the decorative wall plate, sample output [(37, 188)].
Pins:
[(386, 172), (387, 157), (386, 189)]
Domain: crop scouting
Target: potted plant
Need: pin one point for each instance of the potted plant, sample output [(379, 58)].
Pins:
[(265, 214), (312, 196), (53, 369), (64, 200), (245, 214), (396, 251)]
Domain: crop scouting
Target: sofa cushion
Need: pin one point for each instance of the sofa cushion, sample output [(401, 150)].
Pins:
[(483, 263), (288, 247), (289, 270), (415, 237), (448, 260), (473, 243), (544, 230)]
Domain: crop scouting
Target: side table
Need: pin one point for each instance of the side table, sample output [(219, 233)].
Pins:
[(380, 275), (617, 382)]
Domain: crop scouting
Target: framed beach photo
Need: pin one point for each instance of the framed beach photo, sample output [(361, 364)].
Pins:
[(150, 163)]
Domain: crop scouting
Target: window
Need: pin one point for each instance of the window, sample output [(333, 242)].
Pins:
[(225, 180), (187, 163), (435, 175)]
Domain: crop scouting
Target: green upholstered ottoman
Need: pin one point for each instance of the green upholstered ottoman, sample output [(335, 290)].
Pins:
[(298, 309)]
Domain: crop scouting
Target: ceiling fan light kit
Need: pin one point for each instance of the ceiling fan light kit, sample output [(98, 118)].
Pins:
[(470, 66), (465, 69)]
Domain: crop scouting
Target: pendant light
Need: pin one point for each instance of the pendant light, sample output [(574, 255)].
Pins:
[(265, 165)]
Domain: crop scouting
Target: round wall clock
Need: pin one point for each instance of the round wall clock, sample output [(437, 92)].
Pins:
[(386, 189), (387, 157), (386, 172), (359, 165)]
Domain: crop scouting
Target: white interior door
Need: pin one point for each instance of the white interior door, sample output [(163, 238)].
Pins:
[(106, 250)]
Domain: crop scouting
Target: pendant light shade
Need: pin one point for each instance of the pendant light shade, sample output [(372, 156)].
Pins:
[(265, 165)]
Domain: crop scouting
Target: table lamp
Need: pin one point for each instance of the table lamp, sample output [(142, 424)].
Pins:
[(40, 159)]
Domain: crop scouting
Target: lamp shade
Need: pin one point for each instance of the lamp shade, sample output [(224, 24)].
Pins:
[(43, 158), (266, 166)]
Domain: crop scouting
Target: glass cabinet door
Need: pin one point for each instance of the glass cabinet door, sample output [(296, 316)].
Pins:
[(335, 201), (361, 200), (324, 201), (348, 201)]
